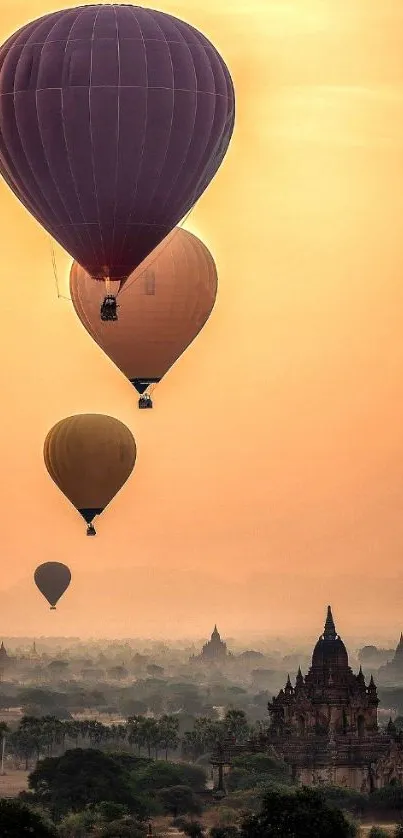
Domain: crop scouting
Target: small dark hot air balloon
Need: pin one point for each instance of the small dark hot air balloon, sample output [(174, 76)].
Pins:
[(164, 305), (113, 121), (90, 457), (52, 579)]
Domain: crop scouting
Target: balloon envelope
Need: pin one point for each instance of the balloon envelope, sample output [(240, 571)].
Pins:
[(90, 457), (114, 120), (163, 306), (52, 579)]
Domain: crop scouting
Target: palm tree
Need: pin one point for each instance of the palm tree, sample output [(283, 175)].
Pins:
[(135, 729), (3, 732), (168, 727), (149, 733)]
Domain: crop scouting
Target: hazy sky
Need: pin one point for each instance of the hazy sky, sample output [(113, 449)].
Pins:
[(269, 479)]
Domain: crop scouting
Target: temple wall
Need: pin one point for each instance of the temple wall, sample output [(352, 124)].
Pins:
[(355, 778), (347, 776)]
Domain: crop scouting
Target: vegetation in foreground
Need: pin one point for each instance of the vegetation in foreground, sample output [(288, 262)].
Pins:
[(283, 814), (105, 781), (86, 793)]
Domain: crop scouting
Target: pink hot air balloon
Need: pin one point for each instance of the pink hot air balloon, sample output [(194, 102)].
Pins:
[(113, 121)]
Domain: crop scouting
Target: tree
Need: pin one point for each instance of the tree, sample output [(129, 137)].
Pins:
[(18, 820), (149, 733), (303, 813), (236, 725), (77, 825), (4, 729), (107, 811), (185, 697), (192, 745), (193, 829), (204, 737), (83, 777), (143, 732), (126, 827), (179, 800), (24, 745), (389, 798), (45, 700), (158, 774), (256, 770), (96, 732), (58, 667), (108, 820), (168, 727), (37, 735), (135, 731), (118, 672)]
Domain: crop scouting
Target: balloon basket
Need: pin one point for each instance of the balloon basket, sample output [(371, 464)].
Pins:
[(91, 530), (53, 608), (145, 403), (109, 308)]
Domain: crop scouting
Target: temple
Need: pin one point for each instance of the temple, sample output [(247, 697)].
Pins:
[(392, 672), (215, 650), (5, 660), (325, 726)]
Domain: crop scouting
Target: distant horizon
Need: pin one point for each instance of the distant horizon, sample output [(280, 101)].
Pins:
[(242, 641)]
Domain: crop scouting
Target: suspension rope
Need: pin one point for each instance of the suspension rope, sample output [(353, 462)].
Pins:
[(54, 266)]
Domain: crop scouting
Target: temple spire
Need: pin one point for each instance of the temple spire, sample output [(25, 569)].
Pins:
[(399, 647), (360, 678), (330, 629)]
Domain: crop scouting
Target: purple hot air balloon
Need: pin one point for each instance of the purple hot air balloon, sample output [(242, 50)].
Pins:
[(113, 121)]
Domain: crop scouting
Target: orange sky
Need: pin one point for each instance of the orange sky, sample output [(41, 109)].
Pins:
[(269, 478)]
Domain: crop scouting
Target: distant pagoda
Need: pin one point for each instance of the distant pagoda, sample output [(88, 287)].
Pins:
[(393, 670), (214, 650), (34, 652), (5, 660)]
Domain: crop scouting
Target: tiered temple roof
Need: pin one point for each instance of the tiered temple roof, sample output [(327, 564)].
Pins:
[(215, 649)]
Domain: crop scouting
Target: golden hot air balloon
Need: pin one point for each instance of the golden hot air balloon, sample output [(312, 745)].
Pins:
[(163, 306), (89, 457)]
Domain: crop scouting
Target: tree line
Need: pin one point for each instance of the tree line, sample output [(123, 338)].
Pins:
[(47, 735)]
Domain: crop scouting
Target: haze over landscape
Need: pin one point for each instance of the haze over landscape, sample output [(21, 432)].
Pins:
[(269, 476)]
